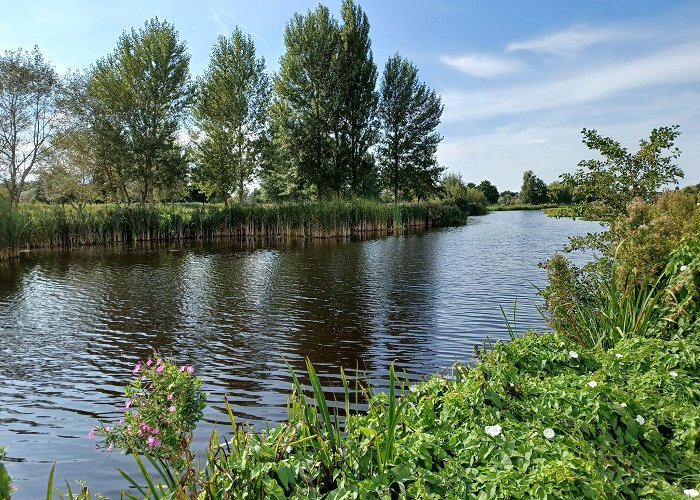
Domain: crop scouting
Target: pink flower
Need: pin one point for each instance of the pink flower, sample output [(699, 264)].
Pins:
[(110, 448), (127, 404), (169, 397), (187, 368), (159, 369), (171, 408), (91, 435), (149, 362), (153, 442), (136, 369), (155, 430)]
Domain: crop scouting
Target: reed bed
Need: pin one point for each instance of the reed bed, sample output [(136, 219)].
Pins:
[(42, 226)]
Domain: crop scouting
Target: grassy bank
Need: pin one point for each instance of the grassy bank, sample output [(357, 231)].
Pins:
[(522, 206), (556, 415), (38, 225)]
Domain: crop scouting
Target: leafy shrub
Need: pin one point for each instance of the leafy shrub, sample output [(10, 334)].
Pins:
[(163, 405)]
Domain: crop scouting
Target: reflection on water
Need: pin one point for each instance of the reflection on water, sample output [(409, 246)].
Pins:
[(73, 324)]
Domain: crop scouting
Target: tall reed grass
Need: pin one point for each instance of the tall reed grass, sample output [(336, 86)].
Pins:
[(39, 225)]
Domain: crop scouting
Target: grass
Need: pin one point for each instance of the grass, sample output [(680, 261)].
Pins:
[(39, 225)]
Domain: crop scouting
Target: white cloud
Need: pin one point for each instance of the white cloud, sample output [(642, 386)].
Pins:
[(536, 141), (679, 64), (574, 39), (483, 66)]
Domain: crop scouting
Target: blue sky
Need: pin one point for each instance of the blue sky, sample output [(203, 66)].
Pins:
[(519, 80)]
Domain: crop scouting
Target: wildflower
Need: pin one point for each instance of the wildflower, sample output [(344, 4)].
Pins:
[(159, 369), (548, 433), (110, 448), (640, 420), (91, 435), (592, 383), (683, 268), (149, 362), (127, 404), (153, 442), (493, 430), (288, 449), (169, 397), (691, 493), (618, 355), (136, 369), (573, 354), (624, 405), (171, 408), (673, 374)]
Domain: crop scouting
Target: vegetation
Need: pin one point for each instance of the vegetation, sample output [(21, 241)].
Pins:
[(409, 113), (534, 190), (543, 414), (35, 226), (231, 113), (28, 94)]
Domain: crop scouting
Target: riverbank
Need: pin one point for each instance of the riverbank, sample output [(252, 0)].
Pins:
[(55, 226), (524, 206)]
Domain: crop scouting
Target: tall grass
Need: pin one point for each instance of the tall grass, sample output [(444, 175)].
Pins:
[(38, 225)]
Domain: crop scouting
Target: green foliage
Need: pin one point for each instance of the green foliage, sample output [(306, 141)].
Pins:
[(537, 416), (5, 488), (409, 113), (560, 193), (606, 186), (28, 93), (163, 405), (323, 114), (139, 96), (490, 191), (39, 225), (231, 112), (534, 190)]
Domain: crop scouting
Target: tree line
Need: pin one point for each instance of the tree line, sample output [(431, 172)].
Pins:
[(136, 127)]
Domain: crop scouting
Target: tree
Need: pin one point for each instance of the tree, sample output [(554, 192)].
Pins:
[(28, 118), (490, 191), (409, 113), (231, 111), (606, 186), (534, 190), (143, 92), (560, 193), (305, 109), (357, 79)]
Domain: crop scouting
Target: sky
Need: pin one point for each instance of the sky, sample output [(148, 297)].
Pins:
[(519, 80)]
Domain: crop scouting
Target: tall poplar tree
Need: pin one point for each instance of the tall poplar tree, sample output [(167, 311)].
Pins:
[(231, 111), (409, 113), (357, 80), (306, 102), (143, 94)]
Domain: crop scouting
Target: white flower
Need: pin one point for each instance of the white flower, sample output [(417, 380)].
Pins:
[(493, 430), (691, 493), (624, 405), (288, 449), (592, 383), (640, 420), (573, 354), (548, 433), (673, 374), (683, 268), (618, 355)]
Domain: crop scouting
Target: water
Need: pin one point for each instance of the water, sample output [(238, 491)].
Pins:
[(72, 325)]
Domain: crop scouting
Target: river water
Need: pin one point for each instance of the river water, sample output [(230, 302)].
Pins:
[(72, 325)]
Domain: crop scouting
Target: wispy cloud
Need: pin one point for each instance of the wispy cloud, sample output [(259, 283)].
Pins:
[(678, 64), (575, 39), (482, 65)]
